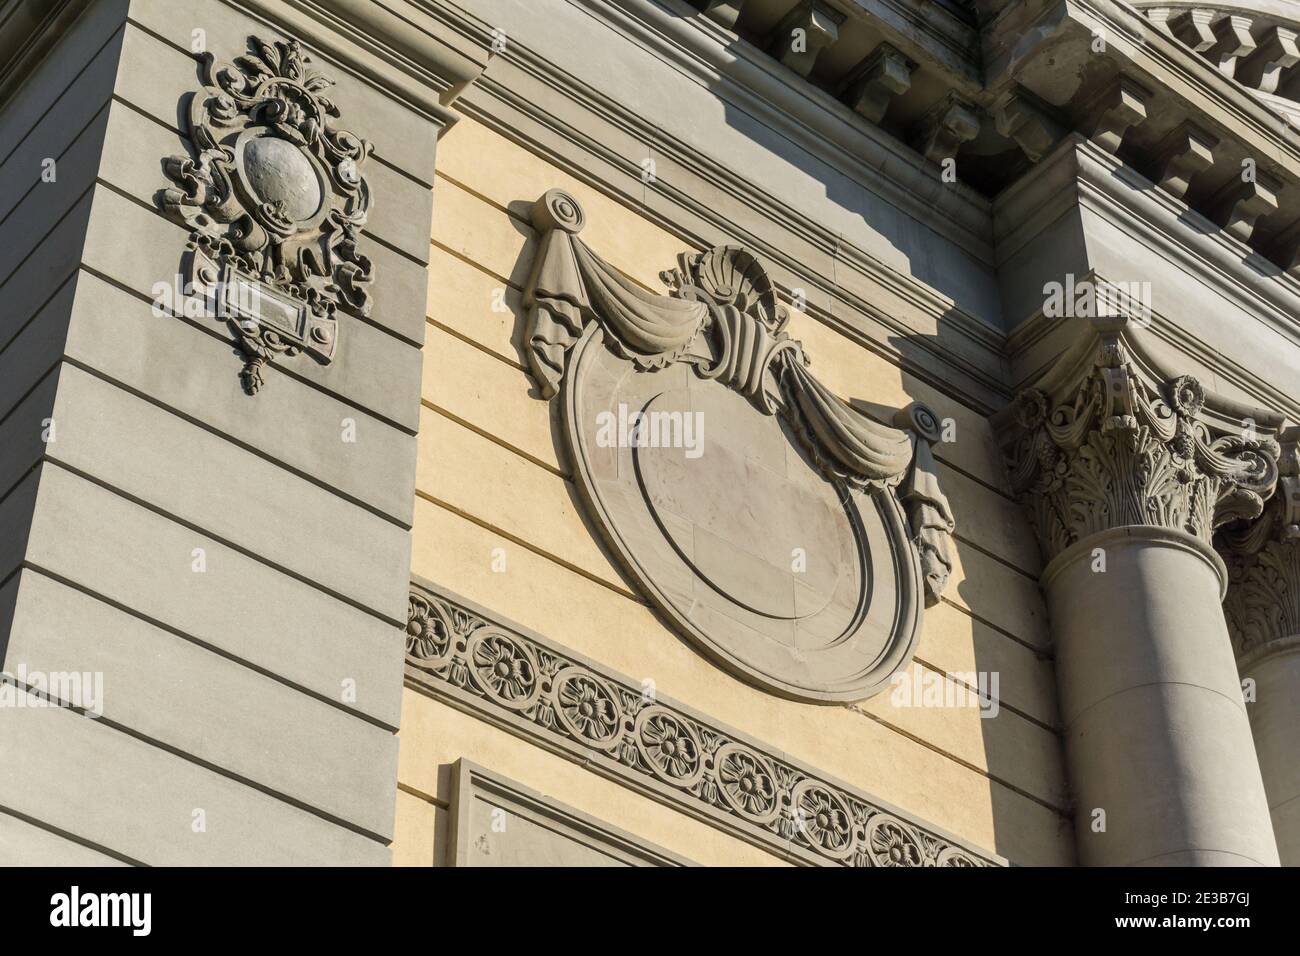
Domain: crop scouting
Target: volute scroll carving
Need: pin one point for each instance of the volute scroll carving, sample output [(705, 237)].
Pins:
[(1262, 605), (1108, 441), (275, 196), (793, 469)]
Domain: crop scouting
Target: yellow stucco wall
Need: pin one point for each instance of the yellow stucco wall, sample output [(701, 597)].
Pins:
[(491, 475)]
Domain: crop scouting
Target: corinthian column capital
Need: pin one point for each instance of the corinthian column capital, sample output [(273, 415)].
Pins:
[(1108, 439), (1263, 559)]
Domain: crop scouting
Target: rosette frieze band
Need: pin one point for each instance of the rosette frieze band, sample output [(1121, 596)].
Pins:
[(1108, 440), (610, 725), (798, 539)]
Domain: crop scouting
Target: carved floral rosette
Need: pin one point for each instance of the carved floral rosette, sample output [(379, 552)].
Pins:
[(613, 725), (716, 347), (1108, 441), (275, 196)]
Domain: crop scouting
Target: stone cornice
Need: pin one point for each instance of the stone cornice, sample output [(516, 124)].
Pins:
[(28, 29), (1047, 49), (511, 98), (412, 56), (1108, 439), (805, 114), (610, 724), (1079, 173)]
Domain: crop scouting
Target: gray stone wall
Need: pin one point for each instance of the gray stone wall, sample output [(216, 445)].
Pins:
[(234, 566)]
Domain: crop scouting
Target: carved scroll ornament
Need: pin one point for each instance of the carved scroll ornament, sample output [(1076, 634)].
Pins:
[(1109, 442), (1262, 605), (716, 347), (275, 196)]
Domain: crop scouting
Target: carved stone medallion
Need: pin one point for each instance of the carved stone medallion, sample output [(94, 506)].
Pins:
[(788, 535), (274, 196)]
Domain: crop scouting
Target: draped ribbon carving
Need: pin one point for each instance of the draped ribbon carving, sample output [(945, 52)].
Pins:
[(723, 318)]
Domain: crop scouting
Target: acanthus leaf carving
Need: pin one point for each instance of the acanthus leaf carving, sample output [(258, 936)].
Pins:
[(1109, 443), (275, 196), (1262, 605)]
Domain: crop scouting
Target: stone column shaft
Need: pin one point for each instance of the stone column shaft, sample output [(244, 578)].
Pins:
[(1157, 736), (1126, 474)]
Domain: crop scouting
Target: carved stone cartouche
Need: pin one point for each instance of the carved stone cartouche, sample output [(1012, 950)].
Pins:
[(855, 488), (275, 196)]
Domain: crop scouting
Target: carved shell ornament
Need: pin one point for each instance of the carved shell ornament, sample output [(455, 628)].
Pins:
[(788, 534), (275, 196)]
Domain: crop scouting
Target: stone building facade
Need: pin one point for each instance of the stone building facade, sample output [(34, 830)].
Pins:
[(649, 432)]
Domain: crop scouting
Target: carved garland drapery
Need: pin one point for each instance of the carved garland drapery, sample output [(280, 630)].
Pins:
[(722, 317), (616, 727), (1111, 445)]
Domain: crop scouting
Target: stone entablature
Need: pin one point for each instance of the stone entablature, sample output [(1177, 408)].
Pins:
[(1107, 440), (1254, 42)]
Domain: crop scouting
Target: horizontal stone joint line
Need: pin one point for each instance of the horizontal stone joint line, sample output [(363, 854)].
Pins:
[(54, 105), (176, 632), (72, 143), (1038, 650), (238, 443), (127, 731), (316, 54), (1235, 701), (246, 552), (528, 546), (49, 232), (496, 440), (214, 331), (462, 337), (1002, 701), (71, 837), (423, 795), (961, 762)]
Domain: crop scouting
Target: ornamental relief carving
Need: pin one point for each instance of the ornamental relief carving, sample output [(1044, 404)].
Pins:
[(1109, 442), (791, 536), (275, 196), (616, 727), (1262, 605)]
